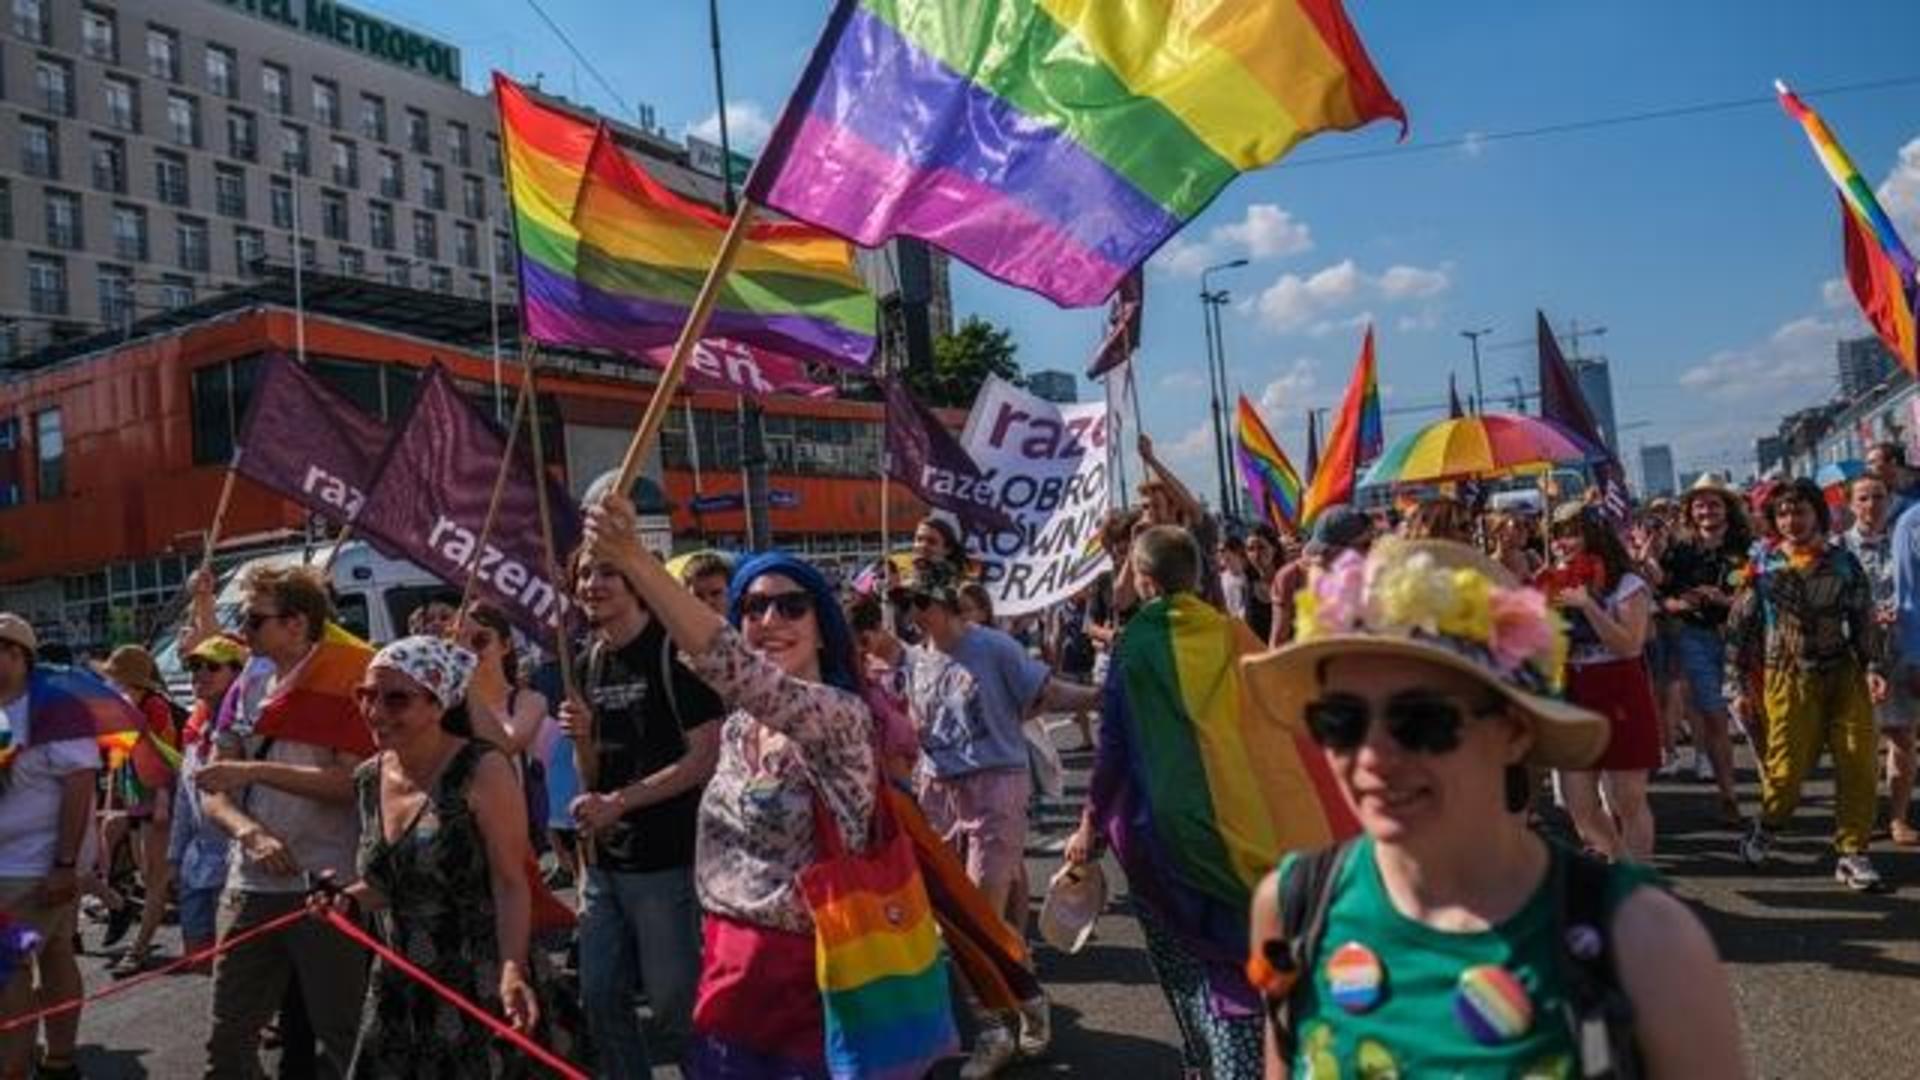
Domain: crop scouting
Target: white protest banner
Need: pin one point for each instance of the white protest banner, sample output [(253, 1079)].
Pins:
[(1046, 465)]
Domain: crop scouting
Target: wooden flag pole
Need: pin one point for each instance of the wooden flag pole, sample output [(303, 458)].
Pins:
[(690, 333), (499, 480), (219, 514)]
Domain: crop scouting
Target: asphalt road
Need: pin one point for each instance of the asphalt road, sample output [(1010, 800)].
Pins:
[(1825, 979)]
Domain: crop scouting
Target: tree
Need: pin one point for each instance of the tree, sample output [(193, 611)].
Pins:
[(962, 361)]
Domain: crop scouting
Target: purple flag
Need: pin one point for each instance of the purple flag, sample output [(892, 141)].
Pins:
[(307, 442), (924, 455), (1562, 402), (430, 504), (1123, 325)]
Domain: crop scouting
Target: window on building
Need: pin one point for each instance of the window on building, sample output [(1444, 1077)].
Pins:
[(6, 209), (30, 21), (419, 132), (175, 291), (280, 201), (129, 232), (380, 225), (170, 177), (163, 53), (53, 85), (222, 71), (99, 36), (108, 157), (10, 493), (353, 262), (310, 254), (473, 197), (115, 286), (230, 191), (63, 220), (399, 272), (346, 163), (190, 236), (433, 186), (276, 88), (50, 455), (326, 103), (249, 249), (373, 117), (243, 135), (502, 250), (426, 235), (333, 214), (46, 285), (40, 148), (481, 287), (440, 279), (493, 154), (466, 245), (459, 143), (392, 179), (294, 155), (183, 119), (219, 396), (123, 102)]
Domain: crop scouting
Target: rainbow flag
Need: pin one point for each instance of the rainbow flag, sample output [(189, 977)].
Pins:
[(629, 285), (73, 703), (1271, 482), (1055, 144), (1854, 189), (1199, 796), (316, 705), (1356, 438)]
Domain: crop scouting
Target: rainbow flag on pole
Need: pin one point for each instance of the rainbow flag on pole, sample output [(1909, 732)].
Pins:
[(1055, 144), (1271, 482), (1357, 438)]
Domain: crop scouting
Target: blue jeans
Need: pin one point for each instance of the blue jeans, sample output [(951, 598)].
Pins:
[(198, 909), (1699, 654), (638, 929)]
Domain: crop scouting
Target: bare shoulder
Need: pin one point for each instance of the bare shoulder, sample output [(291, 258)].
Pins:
[(1654, 928)]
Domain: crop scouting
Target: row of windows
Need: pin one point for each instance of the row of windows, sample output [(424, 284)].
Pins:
[(49, 457), (806, 445), (221, 76)]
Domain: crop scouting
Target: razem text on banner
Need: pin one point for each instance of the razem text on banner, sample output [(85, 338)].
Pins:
[(1046, 465)]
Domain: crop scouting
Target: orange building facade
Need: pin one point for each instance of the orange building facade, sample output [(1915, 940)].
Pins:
[(112, 462)]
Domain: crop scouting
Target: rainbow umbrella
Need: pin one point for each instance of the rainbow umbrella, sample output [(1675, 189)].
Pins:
[(1483, 446)]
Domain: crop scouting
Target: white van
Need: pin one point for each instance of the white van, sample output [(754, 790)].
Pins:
[(372, 594)]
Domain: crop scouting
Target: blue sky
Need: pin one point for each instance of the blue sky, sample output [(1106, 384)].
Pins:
[(1706, 245)]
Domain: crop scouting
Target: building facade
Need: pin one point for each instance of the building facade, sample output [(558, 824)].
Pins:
[(1656, 470), (1596, 385), (1861, 364), (1059, 387)]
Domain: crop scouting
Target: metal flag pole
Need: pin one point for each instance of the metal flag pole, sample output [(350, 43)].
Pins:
[(299, 288), (499, 478), (493, 314)]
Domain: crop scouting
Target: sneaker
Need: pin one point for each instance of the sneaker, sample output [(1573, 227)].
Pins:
[(1674, 769), (1702, 767), (1036, 1027), (1856, 872), (1757, 846), (992, 1051)]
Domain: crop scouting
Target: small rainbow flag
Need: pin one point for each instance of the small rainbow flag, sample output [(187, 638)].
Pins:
[(316, 705), (1854, 188), (1055, 144), (1357, 437), (1271, 482), (1198, 794)]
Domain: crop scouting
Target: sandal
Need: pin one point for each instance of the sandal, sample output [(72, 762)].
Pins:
[(132, 962), (1904, 835)]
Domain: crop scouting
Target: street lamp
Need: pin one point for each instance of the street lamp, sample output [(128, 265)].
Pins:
[(1479, 395), (1210, 304)]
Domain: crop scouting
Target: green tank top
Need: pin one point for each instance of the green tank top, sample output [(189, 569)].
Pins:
[(1408, 1010)]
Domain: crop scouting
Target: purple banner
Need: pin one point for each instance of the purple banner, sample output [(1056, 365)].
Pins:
[(430, 504), (924, 455), (740, 368), (306, 442)]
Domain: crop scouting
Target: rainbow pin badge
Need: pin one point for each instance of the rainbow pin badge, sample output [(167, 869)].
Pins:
[(1492, 1005), (1355, 978)]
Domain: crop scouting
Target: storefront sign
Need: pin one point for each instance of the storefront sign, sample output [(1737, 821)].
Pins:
[(367, 34)]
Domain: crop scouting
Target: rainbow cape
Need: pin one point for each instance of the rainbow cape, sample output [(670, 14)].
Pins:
[(1197, 793), (72, 703), (1271, 482), (1055, 144), (316, 705), (1356, 438)]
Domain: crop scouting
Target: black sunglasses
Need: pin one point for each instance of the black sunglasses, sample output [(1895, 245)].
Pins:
[(792, 605), (257, 619), (197, 666), (392, 700), (1421, 722)]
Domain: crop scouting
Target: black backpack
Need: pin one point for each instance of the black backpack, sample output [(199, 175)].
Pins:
[(1597, 1009)]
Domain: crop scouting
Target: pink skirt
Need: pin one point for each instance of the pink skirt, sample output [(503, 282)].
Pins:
[(757, 1013), (1621, 691)]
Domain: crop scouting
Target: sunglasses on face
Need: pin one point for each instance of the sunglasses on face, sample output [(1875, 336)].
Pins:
[(197, 667), (791, 606), (1419, 722), (390, 700), (257, 619)]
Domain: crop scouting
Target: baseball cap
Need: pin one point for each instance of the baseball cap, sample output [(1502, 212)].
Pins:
[(1339, 527), (19, 631), (220, 649)]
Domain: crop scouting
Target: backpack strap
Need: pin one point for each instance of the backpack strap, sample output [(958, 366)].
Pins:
[(1306, 895), (1599, 1013)]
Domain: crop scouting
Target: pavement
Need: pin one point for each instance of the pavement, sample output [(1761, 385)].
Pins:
[(1824, 979)]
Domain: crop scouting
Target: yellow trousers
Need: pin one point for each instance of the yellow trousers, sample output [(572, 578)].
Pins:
[(1805, 711)]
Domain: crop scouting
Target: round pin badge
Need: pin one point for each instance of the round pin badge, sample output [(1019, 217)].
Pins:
[(1492, 1005), (1356, 978)]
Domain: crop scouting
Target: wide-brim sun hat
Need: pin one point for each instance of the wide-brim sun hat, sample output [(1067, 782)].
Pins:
[(133, 667), (1441, 603), (1075, 898)]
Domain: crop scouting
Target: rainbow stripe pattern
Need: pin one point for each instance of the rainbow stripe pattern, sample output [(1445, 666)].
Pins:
[(611, 259), (1199, 796), (1271, 482), (1055, 144), (72, 703), (1357, 436), (316, 705), (1854, 189), (1492, 1005)]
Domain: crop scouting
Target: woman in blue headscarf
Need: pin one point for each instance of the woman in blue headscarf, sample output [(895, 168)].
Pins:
[(800, 733)]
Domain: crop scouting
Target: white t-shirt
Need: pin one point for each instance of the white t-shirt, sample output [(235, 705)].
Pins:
[(1593, 652), (30, 803), (321, 836)]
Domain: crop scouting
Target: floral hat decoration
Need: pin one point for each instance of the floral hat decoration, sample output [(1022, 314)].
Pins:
[(1445, 603), (438, 665)]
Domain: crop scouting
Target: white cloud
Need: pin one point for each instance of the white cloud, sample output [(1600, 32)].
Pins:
[(1900, 191), (748, 126), (1412, 282), (1265, 232), (1189, 379), (1836, 294), (1195, 445), (1296, 304), (1794, 364), (1292, 391)]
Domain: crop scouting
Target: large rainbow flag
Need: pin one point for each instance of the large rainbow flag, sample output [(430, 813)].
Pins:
[(1197, 793), (1055, 144), (611, 259), (1880, 269), (1357, 437), (73, 703), (316, 705), (1271, 482)]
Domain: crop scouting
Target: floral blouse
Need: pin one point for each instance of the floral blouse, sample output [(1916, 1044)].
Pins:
[(756, 818)]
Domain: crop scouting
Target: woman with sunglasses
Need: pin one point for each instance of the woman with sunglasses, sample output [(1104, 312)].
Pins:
[(1437, 941), (800, 735)]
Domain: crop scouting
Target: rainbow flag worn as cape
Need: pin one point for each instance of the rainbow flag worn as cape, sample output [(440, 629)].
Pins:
[(316, 704), (609, 258), (1271, 482), (1357, 437), (73, 703), (1197, 793), (1055, 144)]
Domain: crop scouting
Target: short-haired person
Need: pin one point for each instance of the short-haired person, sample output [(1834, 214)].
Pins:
[(1165, 500), (937, 540), (1434, 945), (1337, 530), (1702, 570), (197, 848), (1803, 627), (1871, 540), (1887, 462), (46, 805), (434, 617), (706, 575)]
